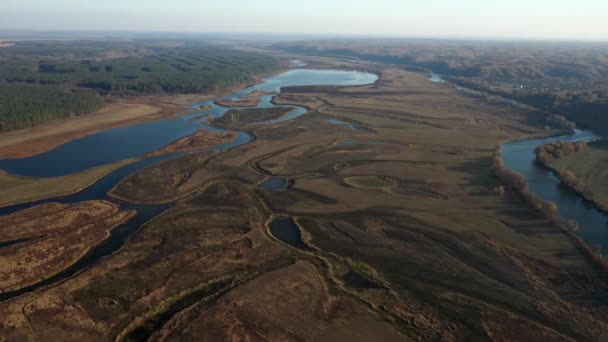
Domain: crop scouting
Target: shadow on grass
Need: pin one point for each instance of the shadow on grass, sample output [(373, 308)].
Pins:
[(480, 170)]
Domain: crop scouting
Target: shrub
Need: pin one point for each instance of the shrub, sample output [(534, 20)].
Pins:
[(568, 177), (548, 152)]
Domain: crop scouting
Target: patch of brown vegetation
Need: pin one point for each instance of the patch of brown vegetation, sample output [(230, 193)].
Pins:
[(172, 257), (312, 103), (292, 303), (55, 237), (502, 326), (240, 119), (250, 102), (164, 182), (196, 141)]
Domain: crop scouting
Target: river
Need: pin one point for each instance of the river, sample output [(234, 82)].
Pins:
[(137, 140), (519, 156)]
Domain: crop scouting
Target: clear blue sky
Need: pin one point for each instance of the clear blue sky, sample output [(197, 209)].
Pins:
[(552, 19)]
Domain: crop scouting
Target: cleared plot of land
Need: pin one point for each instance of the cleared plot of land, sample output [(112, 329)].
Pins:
[(50, 238)]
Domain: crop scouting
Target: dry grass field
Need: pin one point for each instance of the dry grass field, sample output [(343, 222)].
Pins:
[(41, 241)]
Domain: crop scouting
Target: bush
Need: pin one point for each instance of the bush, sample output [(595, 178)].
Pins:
[(548, 152), (569, 178)]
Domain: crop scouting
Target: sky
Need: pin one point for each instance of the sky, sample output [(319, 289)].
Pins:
[(499, 19)]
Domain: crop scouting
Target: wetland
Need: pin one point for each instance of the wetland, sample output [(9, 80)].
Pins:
[(353, 203)]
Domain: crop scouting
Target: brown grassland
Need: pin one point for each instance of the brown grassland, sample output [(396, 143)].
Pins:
[(44, 240), (241, 119), (196, 141), (290, 99), (408, 240), (247, 102)]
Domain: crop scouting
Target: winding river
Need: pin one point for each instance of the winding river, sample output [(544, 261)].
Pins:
[(137, 140), (519, 156)]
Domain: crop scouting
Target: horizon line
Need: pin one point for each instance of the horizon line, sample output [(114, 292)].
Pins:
[(329, 35)]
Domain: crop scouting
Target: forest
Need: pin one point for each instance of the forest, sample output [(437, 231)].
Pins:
[(41, 81)]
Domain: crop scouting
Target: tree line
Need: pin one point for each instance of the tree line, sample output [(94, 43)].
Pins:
[(516, 183), (24, 106)]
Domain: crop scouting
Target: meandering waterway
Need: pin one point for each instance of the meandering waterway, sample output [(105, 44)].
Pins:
[(138, 140)]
